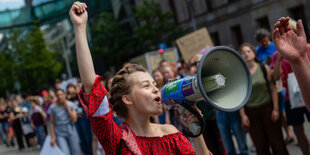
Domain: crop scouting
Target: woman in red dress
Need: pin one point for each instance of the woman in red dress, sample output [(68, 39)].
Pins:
[(134, 97)]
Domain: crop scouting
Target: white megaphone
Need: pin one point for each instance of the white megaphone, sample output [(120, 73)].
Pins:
[(223, 79)]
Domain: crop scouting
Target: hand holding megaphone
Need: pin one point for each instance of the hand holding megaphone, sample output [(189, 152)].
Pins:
[(193, 120), (223, 80)]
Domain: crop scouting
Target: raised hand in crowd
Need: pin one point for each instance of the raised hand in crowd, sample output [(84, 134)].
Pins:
[(293, 47)]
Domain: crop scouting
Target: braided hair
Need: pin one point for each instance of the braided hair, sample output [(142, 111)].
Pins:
[(121, 86)]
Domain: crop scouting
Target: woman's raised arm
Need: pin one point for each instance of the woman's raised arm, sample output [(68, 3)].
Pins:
[(78, 15)]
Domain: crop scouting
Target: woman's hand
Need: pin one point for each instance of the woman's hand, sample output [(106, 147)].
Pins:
[(275, 115), (53, 141), (188, 118), (290, 45), (245, 122), (78, 13)]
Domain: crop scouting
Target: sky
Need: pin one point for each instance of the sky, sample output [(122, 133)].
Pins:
[(11, 4)]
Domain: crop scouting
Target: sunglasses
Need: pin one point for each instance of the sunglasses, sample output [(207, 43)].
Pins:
[(194, 63)]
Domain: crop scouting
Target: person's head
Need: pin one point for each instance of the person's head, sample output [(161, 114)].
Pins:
[(71, 89), (134, 92), (34, 101), (247, 51), (169, 73), (57, 83), (108, 81), (44, 94), (52, 93), (163, 63), (263, 37), (24, 110), (193, 64), (158, 77), (61, 96), (18, 99), (181, 65)]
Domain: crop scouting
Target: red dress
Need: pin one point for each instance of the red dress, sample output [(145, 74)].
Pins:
[(110, 134)]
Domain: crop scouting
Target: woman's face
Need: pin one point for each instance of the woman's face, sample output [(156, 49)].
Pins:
[(71, 90), (61, 96), (158, 77), (247, 53), (168, 73), (145, 95), (110, 83), (52, 93), (194, 66)]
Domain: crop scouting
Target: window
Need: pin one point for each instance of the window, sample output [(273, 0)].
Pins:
[(173, 10), (263, 22), (237, 38), (209, 5), (298, 12), (215, 38), (232, 1)]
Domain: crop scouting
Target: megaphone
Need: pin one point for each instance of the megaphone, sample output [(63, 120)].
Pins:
[(223, 80)]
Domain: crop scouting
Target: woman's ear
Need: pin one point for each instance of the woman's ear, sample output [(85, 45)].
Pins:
[(127, 99)]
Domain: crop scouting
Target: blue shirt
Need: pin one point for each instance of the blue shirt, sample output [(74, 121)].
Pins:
[(63, 125), (263, 53)]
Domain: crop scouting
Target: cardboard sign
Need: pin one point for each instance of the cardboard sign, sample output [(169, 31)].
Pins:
[(193, 43), (155, 58), (150, 60)]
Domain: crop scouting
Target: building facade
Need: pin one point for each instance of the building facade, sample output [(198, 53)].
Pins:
[(232, 22)]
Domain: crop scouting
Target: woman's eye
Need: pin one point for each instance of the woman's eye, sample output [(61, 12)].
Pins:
[(146, 86)]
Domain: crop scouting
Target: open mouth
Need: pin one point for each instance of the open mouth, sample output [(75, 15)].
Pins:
[(157, 99)]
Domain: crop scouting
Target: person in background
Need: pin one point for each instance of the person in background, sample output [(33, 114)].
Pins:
[(62, 118), (57, 84), (169, 72), (211, 134), (83, 124), (47, 102), (52, 95), (266, 47), (38, 119), (294, 48), (260, 115), (159, 79), (2, 121), (294, 54), (15, 116), (7, 123), (28, 131), (181, 68)]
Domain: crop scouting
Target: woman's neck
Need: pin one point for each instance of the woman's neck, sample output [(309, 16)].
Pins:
[(251, 64), (140, 125)]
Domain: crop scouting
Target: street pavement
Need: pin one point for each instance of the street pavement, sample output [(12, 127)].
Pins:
[(292, 148)]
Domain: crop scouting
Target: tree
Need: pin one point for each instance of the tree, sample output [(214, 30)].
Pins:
[(115, 43), (155, 27), (111, 41), (29, 60)]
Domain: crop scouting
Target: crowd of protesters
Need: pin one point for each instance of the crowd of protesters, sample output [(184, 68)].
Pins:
[(58, 112)]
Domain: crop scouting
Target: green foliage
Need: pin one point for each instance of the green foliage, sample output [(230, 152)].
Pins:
[(28, 60), (111, 41), (155, 27), (115, 43)]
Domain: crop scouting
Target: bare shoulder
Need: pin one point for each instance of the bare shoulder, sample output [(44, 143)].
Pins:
[(167, 128)]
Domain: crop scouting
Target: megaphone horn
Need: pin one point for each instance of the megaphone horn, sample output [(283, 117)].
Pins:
[(223, 80)]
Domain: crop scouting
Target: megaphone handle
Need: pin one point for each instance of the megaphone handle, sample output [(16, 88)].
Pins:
[(194, 128)]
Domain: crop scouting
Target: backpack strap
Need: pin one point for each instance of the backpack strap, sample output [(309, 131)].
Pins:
[(263, 68)]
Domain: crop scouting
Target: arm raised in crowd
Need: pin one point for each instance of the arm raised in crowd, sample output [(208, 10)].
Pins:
[(78, 15), (293, 47)]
